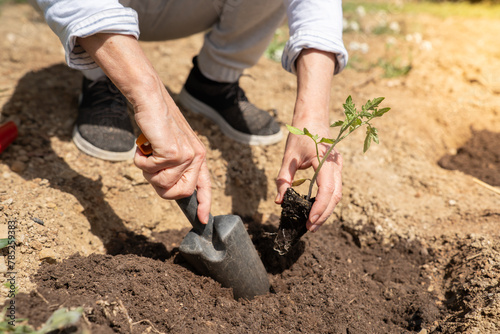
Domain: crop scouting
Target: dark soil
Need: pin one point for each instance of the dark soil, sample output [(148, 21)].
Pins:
[(331, 286), (479, 157), (294, 214)]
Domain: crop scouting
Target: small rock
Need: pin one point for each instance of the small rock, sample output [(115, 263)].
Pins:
[(7, 201), (51, 205), (452, 202), (6, 175), (36, 245), (3, 266), (4, 231), (47, 255), (69, 174), (37, 220)]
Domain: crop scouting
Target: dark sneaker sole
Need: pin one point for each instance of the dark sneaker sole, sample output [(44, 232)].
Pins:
[(198, 107), (86, 147)]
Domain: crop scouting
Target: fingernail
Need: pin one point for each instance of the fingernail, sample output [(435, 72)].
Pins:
[(314, 228), (314, 219), (277, 198)]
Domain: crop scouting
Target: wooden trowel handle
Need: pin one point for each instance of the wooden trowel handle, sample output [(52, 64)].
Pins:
[(188, 205)]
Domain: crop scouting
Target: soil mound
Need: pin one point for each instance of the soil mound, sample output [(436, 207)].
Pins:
[(327, 284)]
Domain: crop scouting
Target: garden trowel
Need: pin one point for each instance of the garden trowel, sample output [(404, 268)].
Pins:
[(221, 249)]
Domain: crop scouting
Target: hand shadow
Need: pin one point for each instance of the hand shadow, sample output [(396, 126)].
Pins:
[(44, 104)]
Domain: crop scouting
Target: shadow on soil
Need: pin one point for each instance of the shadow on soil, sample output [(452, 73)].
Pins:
[(45, 105), (479, 157)]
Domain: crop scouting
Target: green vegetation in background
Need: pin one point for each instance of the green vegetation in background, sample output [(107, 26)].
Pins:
[(485, 9), (3, 2), (275, 48), (4, 243), (59, 320), (394, 68)]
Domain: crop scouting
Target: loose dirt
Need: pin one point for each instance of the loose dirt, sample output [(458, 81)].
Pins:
[(413, 247)]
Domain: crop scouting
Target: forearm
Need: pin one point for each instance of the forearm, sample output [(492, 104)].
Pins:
[(314, 78), (124, 62)]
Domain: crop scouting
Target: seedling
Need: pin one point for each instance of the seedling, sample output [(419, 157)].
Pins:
[(353, 120), (294, 216)]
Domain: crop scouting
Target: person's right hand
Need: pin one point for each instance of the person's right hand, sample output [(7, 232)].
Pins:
[(177, 166)]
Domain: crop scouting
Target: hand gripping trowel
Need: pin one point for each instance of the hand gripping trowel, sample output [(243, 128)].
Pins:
[(221, 249)]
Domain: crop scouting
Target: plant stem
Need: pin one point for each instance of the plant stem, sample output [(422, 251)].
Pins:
[(339, 138)]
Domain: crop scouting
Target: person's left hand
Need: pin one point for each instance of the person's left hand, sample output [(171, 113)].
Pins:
[(300, 153)]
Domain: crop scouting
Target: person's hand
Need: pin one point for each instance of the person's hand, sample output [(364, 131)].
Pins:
[(177, 166), (315, 70), (300, 153)]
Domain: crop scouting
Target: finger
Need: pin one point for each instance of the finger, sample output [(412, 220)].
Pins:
[(204, 196), (285, 178), (174, 183), (329, 192)]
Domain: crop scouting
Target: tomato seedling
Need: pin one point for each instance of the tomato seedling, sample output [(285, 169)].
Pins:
[(354, 119), (296, 208)]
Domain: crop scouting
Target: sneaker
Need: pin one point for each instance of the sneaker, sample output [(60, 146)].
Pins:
[(103, 128), (227, 106)]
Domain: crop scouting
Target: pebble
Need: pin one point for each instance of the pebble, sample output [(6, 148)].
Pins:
[(37, 220), (7, 201), (36, 245), (48, 255), (50, 205), (452, 202), (3, 266)]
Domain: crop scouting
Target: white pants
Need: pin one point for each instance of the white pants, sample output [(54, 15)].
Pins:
[(237, 31)]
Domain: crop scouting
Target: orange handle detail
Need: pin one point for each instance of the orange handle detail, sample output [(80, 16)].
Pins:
[(144, 145)]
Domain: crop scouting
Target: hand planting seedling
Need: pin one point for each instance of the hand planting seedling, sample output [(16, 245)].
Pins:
[(295, 207)]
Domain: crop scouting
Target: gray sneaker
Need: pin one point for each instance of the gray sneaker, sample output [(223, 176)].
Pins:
[(227, 106), (103, 128)]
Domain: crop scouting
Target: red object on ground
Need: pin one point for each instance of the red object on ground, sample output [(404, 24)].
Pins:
[(8, 133)]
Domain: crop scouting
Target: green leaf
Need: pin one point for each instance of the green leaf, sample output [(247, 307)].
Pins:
[(357, 122), (349, 107), (375, 137), (337, 123), (297, 183), (327, 141), (371, 105), (60, 319), (307, 133), (368, 141), (294, 130), (380, 112), (4, 243)]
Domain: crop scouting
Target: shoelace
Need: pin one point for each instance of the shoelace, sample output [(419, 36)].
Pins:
[(105, 92), (234, 91)]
